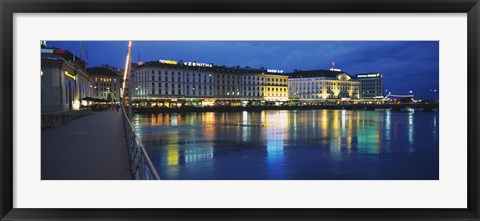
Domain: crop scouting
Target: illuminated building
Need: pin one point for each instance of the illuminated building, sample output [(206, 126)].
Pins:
[(268, 87), (205, 83), (64, 81), (106, 83), (371, 85), (276, 87), (322, 85), (158, 81)]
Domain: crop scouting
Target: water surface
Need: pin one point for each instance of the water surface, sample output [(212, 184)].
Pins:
[(292, 145)]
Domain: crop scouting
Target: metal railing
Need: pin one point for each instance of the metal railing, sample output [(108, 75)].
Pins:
[(54, 119), (142, 167)]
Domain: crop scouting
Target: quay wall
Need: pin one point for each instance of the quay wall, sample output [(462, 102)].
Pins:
[(394, 107)]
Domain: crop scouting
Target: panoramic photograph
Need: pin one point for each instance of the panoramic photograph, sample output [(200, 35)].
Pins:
[(239, 110)]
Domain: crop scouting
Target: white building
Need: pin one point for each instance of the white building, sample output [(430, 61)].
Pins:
[(322, 85), (205, 83), (165, 82)]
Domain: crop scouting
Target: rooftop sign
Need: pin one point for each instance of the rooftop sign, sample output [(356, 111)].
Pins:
[(195, 64), (168, 62), (274, 71), (368, 76)]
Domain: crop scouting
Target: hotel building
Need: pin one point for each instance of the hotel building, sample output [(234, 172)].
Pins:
[(322, 85), (371, 85), (205, 84)]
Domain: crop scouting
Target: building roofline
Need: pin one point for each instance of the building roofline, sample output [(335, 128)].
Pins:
[(215, 68), (102, 71), (316, 73), (62, 62)]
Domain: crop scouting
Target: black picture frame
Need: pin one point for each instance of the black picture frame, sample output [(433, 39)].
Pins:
[(9, 7)]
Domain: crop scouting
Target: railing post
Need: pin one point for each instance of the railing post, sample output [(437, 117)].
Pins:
[(142, 167)]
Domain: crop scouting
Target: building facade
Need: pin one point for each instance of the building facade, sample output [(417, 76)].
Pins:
[(64, 81), (371, 85), (206, 83), (106, 84), (322, 85)]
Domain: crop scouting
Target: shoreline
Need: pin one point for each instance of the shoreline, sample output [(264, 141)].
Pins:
[(393, 107)]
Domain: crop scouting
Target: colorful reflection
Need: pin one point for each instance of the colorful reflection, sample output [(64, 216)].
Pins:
[(292, 144), (411, 132), (276, 131), (172, 154)]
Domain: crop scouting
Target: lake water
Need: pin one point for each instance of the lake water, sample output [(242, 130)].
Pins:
[(292, 145)]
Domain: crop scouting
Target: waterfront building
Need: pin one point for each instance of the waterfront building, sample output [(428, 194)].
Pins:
[(106, 83), (274, 87), (151, 81), (322, 85), (266, 86), (193, 83), (371, 85), (64, 81), (228, 84)]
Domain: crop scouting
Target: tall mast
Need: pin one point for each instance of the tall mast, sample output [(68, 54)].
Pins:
[(126, 74)]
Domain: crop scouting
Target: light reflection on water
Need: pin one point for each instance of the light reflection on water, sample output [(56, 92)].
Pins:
[(292, 144)]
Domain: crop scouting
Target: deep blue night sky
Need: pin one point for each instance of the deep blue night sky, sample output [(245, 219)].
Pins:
[(405, 65)]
